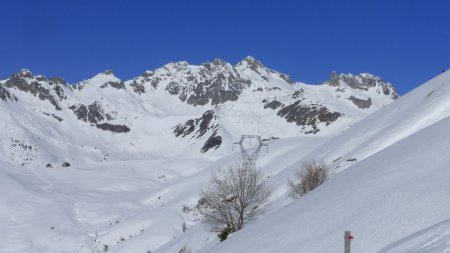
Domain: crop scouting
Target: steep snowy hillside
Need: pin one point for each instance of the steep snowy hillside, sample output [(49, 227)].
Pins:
[(392, 190), (394, 201)]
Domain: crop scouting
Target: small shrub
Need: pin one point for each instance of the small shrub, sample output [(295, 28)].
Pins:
[(49, 165), (310, 176), (234, 197), (223, 235)]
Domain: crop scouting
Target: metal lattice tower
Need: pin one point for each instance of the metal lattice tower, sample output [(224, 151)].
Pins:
[(249, 158)]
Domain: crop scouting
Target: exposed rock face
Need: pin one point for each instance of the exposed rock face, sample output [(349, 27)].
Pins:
[(116, 85), (25, 81), (184, 129), (53, 116), (173, 88), (211, 83), (362, 82), (95, 113), (80, 111), (92, 113), (6, 95), (113, 128), (257, 67), (59, 85), (213, 141), (308, 115), (273, 105), (361, 103), (219, 83), (199, 127), (138, 88)]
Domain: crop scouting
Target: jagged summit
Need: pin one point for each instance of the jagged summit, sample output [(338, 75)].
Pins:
[(251, 62), (25, 73), (108, 72), (363, 81)]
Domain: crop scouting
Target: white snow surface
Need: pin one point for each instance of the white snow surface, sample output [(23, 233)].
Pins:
[(132, 193)]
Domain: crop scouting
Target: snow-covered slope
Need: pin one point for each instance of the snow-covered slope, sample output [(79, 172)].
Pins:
[(137, 167), (387, 200), (390, 186), (395, 200)]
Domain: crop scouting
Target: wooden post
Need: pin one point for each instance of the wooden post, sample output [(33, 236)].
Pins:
[(348, 237)]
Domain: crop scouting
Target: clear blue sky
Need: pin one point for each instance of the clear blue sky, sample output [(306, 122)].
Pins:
[(404, 42)]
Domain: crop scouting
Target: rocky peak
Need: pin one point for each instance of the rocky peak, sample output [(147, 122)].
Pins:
[(108, 72), (254, 65), (36, 85), (363, 81), (217, 65), (25, 73), (251, 63), (101, 80), (57, 80), (219, 62), (173, 67)]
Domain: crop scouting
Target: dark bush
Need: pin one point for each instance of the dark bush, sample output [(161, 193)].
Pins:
[(223, 235)]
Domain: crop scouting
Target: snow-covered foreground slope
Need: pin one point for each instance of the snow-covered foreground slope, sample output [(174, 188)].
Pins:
[(388, 201), (389, 186), (131, 206)]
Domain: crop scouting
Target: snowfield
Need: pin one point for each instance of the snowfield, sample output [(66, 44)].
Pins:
[(389, 182)]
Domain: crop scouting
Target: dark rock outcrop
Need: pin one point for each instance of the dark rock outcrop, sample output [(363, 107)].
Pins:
[(273, 105), (139, 88), (214, 141), (308, 115), (92, 113), (361, 103), (116, 85), (25, 81), (200, 125), (217, 90), (113, 128), (6, 95), (362, 82), (173, 88)]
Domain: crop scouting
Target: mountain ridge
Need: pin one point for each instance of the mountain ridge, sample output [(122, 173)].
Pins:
[(244, 98)]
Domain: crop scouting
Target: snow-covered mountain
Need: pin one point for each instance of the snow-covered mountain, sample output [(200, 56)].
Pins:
[(173, 110), (389, 182)]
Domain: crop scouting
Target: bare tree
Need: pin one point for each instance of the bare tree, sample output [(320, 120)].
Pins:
[(311, 175), (234, 197)]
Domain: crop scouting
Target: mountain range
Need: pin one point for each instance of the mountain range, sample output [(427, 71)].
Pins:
[(178, 109)]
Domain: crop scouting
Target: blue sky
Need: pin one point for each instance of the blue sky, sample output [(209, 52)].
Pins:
[(404, 42)]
